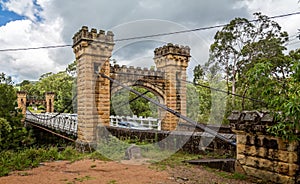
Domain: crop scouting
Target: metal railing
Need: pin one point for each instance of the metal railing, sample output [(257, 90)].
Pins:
[(147, 122), (63, 122)]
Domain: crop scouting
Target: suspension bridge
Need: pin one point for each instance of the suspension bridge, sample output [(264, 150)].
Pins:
[(97, 80)]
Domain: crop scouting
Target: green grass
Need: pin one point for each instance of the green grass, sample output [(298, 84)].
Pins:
[(30, 158), (176, 160), (236, 176), (84, 178), (112, 182)]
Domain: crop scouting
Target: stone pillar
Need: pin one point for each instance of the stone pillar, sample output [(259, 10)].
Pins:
[(22, 102), (268, 158), (92, 50), (173, 60), (103, 94), (49, 101)]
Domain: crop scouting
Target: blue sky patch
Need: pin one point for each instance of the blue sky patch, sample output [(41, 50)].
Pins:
[(8, 16)]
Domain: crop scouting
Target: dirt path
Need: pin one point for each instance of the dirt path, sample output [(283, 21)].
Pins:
[(101, 172)]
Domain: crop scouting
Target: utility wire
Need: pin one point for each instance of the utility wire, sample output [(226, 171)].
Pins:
[(35, 48), (227, 92), (148, 36), (198, 29)]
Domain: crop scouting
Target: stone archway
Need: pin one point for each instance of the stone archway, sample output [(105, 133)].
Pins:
[(93, 50), (155, 90)]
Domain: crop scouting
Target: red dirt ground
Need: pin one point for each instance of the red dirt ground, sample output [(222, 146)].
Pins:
[(101, 172)]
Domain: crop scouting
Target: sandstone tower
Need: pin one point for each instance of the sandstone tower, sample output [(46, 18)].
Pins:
[(92, 51), (22, 99), (173, 60), (50, 102)]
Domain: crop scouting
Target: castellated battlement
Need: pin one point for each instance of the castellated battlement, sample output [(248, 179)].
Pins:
[(172, 49), (92, 35), (131, 70)]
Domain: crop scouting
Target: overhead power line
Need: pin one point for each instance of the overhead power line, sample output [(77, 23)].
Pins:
[(227, 92), (199, 29), (35, 48), (148, 36)]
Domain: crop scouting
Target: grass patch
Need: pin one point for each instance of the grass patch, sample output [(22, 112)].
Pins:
[(84, 178), (176, 160), (112, 182), (30, 158), (236, 176)]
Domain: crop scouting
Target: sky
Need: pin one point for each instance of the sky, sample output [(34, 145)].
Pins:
[(35, 23)]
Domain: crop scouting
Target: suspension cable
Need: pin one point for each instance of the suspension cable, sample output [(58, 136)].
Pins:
[(125, 103), (177, 114)]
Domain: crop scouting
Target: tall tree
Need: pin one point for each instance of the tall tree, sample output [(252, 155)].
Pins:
[(238, 44), (62, 85), (280, 87), (13, 135)]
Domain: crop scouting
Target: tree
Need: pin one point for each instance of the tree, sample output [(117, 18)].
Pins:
[(62, 85), (71, 69), (124, 103), (252, 57), (281, 89), (240, 43), (13, 135)]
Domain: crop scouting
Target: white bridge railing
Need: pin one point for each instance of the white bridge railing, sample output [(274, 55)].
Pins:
[(63, 122), (147, 122), (68, 122)]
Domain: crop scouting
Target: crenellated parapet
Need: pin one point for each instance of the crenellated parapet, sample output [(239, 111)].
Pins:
[(172, 55), (172, 49), (96, 41), (138, 71), (92, 35), (137, 76)]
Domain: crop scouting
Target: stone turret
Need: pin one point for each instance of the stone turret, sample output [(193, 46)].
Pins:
[(22, 99), (173, 60), (92, 51), (50, 101)]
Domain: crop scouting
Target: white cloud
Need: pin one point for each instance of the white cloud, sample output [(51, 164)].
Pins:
[(61, 19), (29, 64)]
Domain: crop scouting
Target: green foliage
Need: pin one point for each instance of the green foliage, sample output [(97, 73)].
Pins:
[(251, 57), (13, 135), (29, 158), (112, 147), (195, 104), (61, 83), (241, 44), (124, 103), (278, 84)]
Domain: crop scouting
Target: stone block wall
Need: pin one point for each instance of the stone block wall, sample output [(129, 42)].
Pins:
[(261, 155)]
